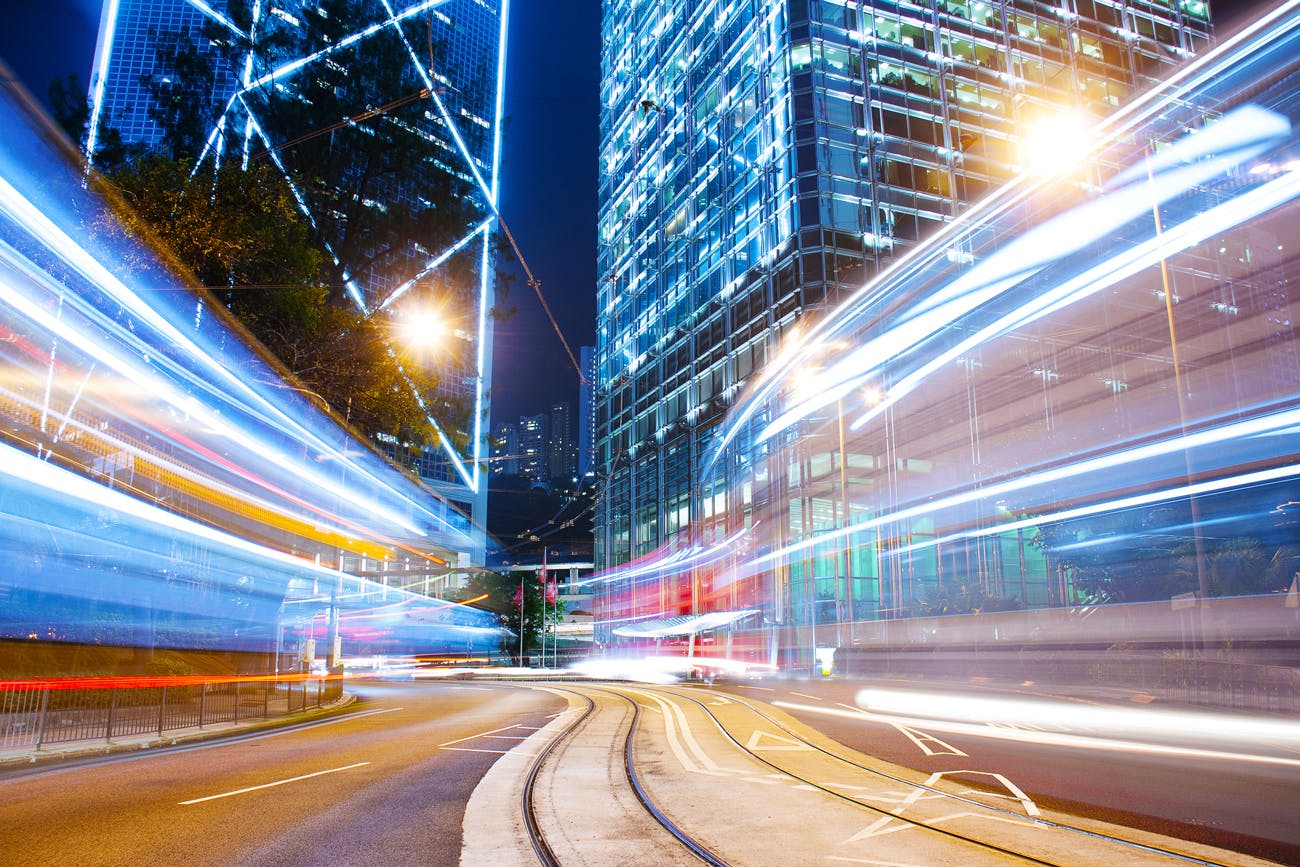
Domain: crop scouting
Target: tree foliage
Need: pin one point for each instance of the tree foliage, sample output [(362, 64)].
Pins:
[(965, 598), (355, 135), (241, 235), (504, 592), (355, 141), (1150, 555)]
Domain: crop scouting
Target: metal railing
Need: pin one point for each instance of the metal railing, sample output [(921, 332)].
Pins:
[(40, 713)]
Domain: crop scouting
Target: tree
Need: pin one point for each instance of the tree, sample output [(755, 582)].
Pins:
[(504, 593), (1239, 567), (1148, 555), (963, 599), (70, 106), (72, 113), (1123, 556), (186, 92), (357, 137), (241, 235)]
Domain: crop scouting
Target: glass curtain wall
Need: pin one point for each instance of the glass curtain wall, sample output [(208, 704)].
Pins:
[(761, 159)]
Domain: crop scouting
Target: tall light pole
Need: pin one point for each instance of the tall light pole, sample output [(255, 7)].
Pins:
[(546, 586), (521, 616), (1198, 541)]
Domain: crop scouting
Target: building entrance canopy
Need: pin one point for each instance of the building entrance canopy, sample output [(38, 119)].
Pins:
[(686, 625)]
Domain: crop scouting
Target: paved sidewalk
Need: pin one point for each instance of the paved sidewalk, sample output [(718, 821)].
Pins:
[(12, 760)]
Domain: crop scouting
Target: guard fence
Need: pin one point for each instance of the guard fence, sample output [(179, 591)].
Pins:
[(40, 713)]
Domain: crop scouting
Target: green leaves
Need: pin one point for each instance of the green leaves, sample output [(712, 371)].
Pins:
[(240, 234)]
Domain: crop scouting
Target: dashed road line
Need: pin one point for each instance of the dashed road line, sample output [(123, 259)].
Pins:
[(270, 785)]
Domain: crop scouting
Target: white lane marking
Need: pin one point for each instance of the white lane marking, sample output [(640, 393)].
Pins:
[(374, 712), (270, 785), (763, 688), (672, 712), (888, 825), (671, 731), (508, 737), (758, 737), (473, 750), (806, 695), (1030, 807), (923, 741), (479, 735), (926, 790)]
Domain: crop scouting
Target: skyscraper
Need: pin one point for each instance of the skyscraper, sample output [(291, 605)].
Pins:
[(759, 159), (384, 118)]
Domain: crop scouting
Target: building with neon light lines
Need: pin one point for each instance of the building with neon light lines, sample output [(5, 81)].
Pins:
[(421, 79), (760, 161)]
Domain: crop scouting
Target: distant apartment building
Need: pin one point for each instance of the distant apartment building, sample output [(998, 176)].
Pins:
[(504, 450), (564, 456), (535, 448)]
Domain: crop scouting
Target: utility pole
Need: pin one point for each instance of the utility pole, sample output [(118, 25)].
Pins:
[(521, 617), (545, 579)]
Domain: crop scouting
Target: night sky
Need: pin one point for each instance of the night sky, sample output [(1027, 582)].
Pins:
[(548, 178)]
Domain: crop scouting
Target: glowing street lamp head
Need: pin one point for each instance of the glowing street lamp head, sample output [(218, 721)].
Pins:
[(807, 382), (1054, 144), (422, 329)]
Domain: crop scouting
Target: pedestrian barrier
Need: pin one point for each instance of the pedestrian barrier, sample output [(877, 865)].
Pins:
[(41, 713)]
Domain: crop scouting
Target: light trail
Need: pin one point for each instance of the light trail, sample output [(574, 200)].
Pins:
[(1051, 739), (162, 485)]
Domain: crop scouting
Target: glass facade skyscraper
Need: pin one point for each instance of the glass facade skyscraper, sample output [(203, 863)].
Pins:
[(761, 158), (329, 92)]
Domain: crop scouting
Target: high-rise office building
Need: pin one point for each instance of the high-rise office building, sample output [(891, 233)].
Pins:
[(384, 118), (759, 159)]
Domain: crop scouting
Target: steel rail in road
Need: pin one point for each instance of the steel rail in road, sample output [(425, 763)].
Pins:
[(1145, 848), (534, 826)]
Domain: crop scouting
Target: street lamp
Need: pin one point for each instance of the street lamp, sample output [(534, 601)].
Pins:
[(422, 328), (1053, 144)]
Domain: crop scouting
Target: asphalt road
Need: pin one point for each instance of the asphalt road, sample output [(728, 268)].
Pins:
[(1215, 787), (384, 784)]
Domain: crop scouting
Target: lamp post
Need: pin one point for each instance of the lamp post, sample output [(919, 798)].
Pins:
[(521, 617), (546, 587), (1198, 542)]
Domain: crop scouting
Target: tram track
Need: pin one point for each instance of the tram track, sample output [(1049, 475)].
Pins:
[(808, 766), (537, 835), (1144, 848)]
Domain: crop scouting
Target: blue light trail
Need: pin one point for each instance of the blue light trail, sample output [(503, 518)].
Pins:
[(162, 483)]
